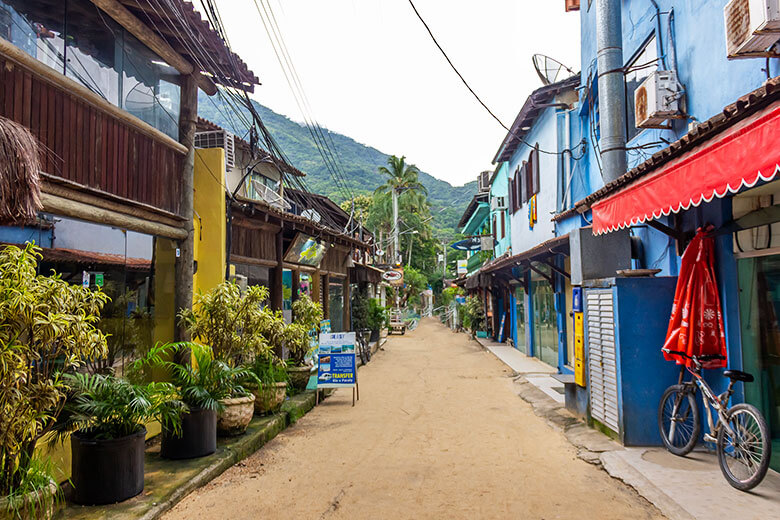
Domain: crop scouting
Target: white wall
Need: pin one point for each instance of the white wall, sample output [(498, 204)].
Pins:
[(544, 132)]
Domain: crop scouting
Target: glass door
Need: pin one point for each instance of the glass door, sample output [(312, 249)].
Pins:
[(759, 306), (520, 318), (336, 304), (545, 327)]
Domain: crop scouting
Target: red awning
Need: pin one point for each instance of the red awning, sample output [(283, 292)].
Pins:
[(739, 157)]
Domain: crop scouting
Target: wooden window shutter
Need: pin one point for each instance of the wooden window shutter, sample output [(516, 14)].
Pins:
[(518, 195), (510, 204), (503, 224), (535, 173)]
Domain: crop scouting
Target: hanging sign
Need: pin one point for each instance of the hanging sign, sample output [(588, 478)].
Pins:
[(336, 361), (463, 266), (394, 276), (85, 279), (99, 279)]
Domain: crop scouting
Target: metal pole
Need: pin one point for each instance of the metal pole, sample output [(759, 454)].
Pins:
[(396, 247), (444, 267), (612, 95), (411, 243)]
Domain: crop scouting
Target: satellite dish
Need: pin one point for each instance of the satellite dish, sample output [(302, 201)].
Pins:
[(550, 70)]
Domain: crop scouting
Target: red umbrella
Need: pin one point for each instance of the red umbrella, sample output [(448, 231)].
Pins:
[(696, 324)]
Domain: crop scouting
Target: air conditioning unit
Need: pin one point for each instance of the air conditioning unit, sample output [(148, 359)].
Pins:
[(657, 99), (483, 182), (752, 28), (498, 203), (218, 139)]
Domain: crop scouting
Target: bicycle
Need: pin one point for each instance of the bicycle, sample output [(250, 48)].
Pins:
[(364, 348), (741, 434)]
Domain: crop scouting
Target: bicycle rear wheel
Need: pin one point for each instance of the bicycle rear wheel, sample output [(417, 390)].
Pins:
[(678, 419), (744, 454)]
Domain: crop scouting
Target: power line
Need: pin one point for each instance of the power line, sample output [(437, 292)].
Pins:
[(494, 116)]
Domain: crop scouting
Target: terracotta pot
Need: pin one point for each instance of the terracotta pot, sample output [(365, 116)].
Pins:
[(235, 418), (34, 506), (299, 376), (270, 398)]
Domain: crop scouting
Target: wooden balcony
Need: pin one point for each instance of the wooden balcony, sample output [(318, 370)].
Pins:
[(90, 146)]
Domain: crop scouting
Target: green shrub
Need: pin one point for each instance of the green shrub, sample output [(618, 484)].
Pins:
[(48, 328)]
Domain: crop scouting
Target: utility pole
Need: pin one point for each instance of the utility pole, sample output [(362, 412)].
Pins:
[(411, 243), (444, 267), (396, 247)]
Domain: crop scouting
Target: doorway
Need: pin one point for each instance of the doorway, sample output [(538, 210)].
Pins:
[(759, 308)]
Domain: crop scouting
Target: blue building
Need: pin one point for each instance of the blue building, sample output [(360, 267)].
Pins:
[(679, 135)]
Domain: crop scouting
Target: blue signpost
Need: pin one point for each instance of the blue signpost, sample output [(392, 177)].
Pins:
[(336, 362)]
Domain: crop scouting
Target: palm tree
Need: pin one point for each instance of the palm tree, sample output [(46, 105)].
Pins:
[(401, 176), (402, 180)]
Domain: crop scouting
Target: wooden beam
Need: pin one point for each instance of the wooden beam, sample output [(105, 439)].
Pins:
[(118, 204), (555, 268), (666, 230), (142, 31), (80, 210), (540, 273), (238, 259), (77, 90), (277, 296)]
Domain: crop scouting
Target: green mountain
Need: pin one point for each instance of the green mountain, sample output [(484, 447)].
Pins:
[(360, 162)]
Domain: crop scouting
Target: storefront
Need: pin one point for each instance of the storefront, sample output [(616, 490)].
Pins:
[(722, 175)]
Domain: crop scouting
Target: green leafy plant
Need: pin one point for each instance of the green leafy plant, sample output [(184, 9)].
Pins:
[(229, 322), (201, 383), (269, 371), (107, 407), (47, 328), (307, 315), (473, 314)]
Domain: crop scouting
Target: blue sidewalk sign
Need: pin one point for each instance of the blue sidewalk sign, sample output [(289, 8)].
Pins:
[(336, 360)]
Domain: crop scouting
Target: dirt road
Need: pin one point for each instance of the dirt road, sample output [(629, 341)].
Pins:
[(438, 433)]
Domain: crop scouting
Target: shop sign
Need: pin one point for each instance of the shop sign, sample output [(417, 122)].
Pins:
[(85, 279), (394, 276), (325, 326), (463, 266), (99, 279), (336, 360)]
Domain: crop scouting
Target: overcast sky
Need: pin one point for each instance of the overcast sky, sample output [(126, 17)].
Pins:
[(371, 71)]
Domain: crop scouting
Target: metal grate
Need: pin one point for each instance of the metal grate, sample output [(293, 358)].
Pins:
[(218, 139)]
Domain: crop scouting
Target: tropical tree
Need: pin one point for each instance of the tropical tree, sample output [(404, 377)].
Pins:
[(403, 178), (359, 207)]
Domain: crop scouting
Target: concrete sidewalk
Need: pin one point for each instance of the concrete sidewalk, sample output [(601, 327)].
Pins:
[(682, 488), (535, 372)]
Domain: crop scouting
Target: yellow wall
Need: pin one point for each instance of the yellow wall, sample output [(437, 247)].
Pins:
[(164, 290), (209, 222)]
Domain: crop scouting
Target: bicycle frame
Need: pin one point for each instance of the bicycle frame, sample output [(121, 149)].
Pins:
[(719, 403)]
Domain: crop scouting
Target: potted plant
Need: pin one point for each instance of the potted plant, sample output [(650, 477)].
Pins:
[(473, 315), (307, 315), (376, 319), (271, 389), (48, 327), (202, 384), (231, 323), (105, 416)]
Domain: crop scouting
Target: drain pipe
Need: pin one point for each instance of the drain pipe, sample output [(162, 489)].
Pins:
[(612, 95)]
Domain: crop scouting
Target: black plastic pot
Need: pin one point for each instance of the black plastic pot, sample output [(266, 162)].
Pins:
[(374, 336), (105, 471), (198, 436)]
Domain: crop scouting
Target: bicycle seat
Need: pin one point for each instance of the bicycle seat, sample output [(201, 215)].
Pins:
[(738, 375)]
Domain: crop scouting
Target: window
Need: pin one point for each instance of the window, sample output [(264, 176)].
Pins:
[(99, 54), (527, 177), (640, 67)]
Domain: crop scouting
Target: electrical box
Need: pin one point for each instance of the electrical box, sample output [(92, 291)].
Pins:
[(579, 349), (752, 28), (595, 257), (657, 100)]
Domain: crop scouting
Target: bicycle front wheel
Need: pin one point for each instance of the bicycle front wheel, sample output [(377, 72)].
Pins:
[(678, 419), (745, 450)]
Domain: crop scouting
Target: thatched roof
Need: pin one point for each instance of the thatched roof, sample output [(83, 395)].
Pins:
[(20, 182)]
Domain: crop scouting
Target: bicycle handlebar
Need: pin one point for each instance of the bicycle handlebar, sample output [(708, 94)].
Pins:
[(696, 359)]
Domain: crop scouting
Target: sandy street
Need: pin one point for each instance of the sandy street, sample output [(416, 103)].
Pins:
[(438, 433)]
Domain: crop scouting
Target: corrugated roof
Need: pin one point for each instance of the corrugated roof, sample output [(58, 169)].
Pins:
[(471, 208)]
